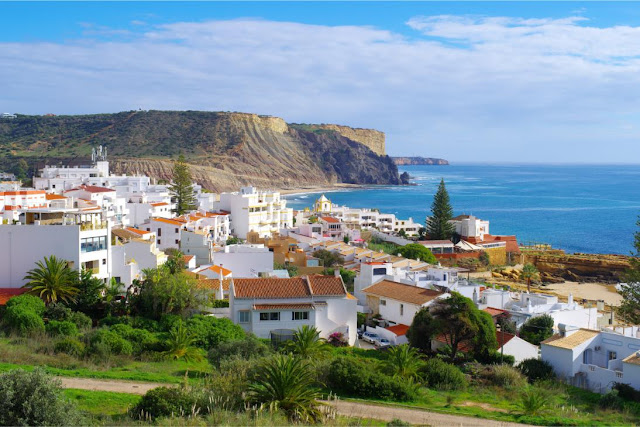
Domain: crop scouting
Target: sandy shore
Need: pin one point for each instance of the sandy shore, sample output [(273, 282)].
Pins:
[(589, 291)]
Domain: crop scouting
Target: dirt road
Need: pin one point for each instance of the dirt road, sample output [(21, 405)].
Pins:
[(110, 385)]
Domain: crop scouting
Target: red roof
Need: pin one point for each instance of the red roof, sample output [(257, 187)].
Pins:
[(7, 293), (398, 329), (495, 311), (282, 306), (330, 219), (295, 287)]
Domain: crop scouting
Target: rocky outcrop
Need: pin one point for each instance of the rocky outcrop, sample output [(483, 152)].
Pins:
[(371, 138), (406, 161), (224, 150), (579, 267)]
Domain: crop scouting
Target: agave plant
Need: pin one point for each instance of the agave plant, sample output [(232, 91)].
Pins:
[(287, 383), (403, 361), (180, 343), (306, 342), (52, 280)]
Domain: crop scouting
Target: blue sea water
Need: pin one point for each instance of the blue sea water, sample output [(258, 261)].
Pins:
[(578, 208)]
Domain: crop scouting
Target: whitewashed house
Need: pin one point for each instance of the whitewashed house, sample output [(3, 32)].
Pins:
[(245, 260), (167, 231), (273, 306), (508, 344), (468, 226), (592, 359), (133, 251)]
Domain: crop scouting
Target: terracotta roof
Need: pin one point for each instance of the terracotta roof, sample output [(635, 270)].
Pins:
[(571, 341), (350, 296), (213, 284), (401, 292), (137, 231), (398, 329), (159, 204), (124, 233), (92, 189), (7, 293), (168, 221), (330, 219), (282, 306), (460, 217), (295, 287), (634, 359), (218, 269), (187, 258), (54, 197), (494, 311)]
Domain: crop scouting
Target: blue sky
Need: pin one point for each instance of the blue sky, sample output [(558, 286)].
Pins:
[(467, 81)]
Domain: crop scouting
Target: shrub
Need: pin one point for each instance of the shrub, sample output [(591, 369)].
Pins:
[(34, 398), (209, 331), (140, 339), (627, 392), (440, 375), (169, 321), (104, 340), (337, 339), (245, 348), (507, 376), (163, 402), (69, 346), (61, 328), (57, 311), (534, 401), (82, 321), (352, 377), (22, 320), (611, 400), (496, 358), (536, 369), (218, 303), (30, 302)]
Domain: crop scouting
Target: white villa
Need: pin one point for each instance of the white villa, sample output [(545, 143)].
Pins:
[(271, 307)]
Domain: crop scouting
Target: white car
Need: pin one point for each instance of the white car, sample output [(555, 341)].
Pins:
[(370, 337), (381, 342)]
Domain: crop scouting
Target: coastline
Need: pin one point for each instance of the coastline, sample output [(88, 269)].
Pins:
[(320, 189)]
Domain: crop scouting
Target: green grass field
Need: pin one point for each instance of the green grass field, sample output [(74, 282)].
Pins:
[(102, 403)]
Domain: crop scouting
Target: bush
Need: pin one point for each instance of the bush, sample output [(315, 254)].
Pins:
[(352, 377), (496, 358), (209, 331), (30, 302), (246, 348), (163, 402), (337, 339), (611, 400), (169, 321), (34, 398), (69, 346), (82, 321), (61, 328), (536, 369), (627, 392), (440, 375), (22, 320), (507, 376), (105, 341), (57, 311), (140, 339)]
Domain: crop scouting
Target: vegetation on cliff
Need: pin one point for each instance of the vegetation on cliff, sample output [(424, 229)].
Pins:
[(629, 310), (224, 150)]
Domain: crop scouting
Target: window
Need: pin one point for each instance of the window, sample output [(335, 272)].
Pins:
[(91, 244), (300, 315), (159, 232), (270, 316), (245, 316), (177, 230), (176, 241), (104, 261), (379, 271), (383, 302), (401, 309), (613, 355), (159, 241), (148, 229)]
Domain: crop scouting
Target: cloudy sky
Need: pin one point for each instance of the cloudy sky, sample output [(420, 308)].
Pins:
[(470, 82)]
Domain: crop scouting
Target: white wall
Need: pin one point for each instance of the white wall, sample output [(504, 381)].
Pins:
[(520, 349), (245, 264), (391, 311)]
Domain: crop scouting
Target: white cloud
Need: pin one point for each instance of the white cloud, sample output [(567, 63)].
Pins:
[(466, 88)]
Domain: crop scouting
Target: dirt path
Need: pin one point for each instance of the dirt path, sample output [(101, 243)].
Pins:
[(349, 409)]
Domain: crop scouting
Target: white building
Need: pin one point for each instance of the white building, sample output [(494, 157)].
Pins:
[(198, 243), (141, 210), (167, 231), (245, 260), (508, 344), (107, 199), (592, 359), (252, 210), (263, 306), (469, 226), (134, 250), (80, 237)]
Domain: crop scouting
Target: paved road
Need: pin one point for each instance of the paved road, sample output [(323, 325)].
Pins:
[(345, 408)]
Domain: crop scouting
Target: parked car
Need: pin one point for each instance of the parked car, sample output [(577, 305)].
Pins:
[(381, 342), (370, 337)]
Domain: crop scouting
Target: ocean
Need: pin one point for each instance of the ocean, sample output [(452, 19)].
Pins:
[(578, 208)]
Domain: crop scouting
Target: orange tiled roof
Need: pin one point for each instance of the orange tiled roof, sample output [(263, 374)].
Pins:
[(218, 269), (330, 219), (295, 287), (137, 231), (7, 293), (398, 329), (54, 197), (401, 292), (494, 311), (159, 204), (213, 284), (282, 306), (173, 221)]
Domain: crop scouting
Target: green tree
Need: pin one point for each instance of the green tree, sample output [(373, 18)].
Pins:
[(181, 187), (89, 296), (306, 342), (537, 329), (438, 225), (348, 276), (328, 258), (163, 293), (417, 251), (52, 280), (402, 233), (21, 169), (460, 321), (175, 261), (233, 241), (528, 272), (180, 345), (629, 308), (403, 361), (287, 383), (422, 330)]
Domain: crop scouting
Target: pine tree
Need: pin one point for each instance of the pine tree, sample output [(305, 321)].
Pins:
[(629, 309), (181, 188), (438, 225)]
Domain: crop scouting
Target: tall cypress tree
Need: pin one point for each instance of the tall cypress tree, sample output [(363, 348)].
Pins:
[(181, 188), (629, 309), (438, 225)]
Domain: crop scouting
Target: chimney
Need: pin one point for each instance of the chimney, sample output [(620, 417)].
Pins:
[(570, 300), (336, 272)]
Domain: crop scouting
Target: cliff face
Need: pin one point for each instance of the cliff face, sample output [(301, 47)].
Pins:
[(371, 138), (404, 161), (579, 267), (224, 150)]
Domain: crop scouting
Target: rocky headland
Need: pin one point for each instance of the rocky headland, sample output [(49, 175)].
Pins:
[(408, 161)]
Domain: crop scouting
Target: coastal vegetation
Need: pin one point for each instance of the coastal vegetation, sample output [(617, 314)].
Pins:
[(438, 225), (181, 188)]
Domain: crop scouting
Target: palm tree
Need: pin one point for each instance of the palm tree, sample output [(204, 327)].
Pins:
[(528, 272), (307, 342), (403, 361), (181, 346), (287, 383), (52, 280), (114, 290)]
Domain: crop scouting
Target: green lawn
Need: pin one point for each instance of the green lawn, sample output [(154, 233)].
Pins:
[(102, 403)]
